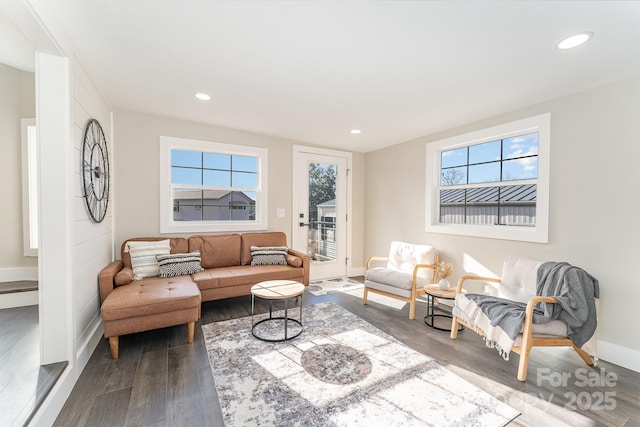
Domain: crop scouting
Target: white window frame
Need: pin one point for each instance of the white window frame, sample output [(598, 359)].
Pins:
[(540, 232), (29, 187), (168, 225)]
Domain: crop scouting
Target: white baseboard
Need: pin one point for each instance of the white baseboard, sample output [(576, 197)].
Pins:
[(18, 274), (622, 356), (18, 299), (89, 340), (51, 407), (355, 271)]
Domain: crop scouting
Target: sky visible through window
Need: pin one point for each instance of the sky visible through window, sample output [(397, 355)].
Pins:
[(509, 159), (213, 169)]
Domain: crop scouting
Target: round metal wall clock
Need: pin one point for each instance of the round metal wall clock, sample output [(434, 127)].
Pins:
[(95, 170)]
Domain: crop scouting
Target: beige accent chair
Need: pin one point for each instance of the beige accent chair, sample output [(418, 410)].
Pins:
[(409, 268), (518, 283)]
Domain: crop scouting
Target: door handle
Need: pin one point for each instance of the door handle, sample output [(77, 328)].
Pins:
[(302, 224)]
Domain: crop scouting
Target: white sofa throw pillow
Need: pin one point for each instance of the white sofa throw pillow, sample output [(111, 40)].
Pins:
[(143, 257)]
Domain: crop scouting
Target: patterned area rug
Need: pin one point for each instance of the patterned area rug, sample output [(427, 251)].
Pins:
[(343, 284), (342, 371)]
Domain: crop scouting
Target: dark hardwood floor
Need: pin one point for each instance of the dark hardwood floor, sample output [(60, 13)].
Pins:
[(24, 384), (161, 380)]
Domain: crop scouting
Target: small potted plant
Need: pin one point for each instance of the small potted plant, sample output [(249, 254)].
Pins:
[(444, 271)]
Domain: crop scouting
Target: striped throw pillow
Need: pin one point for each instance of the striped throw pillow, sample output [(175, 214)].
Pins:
[(143, 257), (269, 255), (179, 264)]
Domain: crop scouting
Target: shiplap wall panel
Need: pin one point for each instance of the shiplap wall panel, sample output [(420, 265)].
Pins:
[(83, 250), (93, 242), (87, 316)]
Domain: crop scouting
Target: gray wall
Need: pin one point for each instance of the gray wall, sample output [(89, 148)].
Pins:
[(136, 164), (17, 101), (594, 203)]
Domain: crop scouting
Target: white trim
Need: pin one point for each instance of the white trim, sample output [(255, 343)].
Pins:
[(112, 176), (29, 189), (17, 274), (55, 200), (619, 355), (167, 225), (539, 233), (18, 299), (89, 340), (52, 405)]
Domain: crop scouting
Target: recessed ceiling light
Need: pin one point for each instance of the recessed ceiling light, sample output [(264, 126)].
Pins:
[(203, 96), (575, 40), (356, 131)]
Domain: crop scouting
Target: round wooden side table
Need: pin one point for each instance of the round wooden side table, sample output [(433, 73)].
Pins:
[(277, 290), (433, 292)]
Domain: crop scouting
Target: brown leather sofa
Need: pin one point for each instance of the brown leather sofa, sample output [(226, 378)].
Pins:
[(130, 306)]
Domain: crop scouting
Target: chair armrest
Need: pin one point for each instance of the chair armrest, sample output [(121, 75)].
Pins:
[(419, 266), (106, 278), (531, 304), (375, 258), (527, 327), (472, 277)]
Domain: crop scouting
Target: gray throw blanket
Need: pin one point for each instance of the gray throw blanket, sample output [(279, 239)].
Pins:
[(575, 290)]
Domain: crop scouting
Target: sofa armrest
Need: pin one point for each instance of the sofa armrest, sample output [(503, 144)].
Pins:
[(106, 278), (306, 262)]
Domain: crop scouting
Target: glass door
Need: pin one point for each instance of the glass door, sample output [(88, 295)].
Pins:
[(321, 216)]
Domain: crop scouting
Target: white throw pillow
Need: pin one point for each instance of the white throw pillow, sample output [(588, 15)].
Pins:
[(143, 257)]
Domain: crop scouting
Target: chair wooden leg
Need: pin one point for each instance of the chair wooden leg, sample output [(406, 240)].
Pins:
[(523, 364), (412, 309), (525, 349), (114, 344), (584, 355), (191, 329), (365, 294), (454, 328)]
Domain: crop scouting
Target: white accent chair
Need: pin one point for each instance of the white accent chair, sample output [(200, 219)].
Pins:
[(518, 283), (409, 267)]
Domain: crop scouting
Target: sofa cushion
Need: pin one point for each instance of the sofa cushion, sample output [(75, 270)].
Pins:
[(389, 277), (151, 296), (519, 278), (293, 260), (217, 251), (274, 238), (405, 256), (178, 245), (179, 264), (124, 276), (143, 257), (268, 255), (245, 275)]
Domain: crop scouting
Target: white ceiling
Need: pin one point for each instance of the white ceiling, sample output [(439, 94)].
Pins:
[(15, 50), (312, 70)]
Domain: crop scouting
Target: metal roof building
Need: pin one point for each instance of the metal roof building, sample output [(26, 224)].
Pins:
[(500, 205)]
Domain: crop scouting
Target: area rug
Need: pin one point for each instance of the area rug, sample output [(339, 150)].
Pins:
[(342, 284), (341, 371)]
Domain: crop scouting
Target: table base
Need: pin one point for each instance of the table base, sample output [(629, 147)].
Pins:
[(286, 319), (429, 319)]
